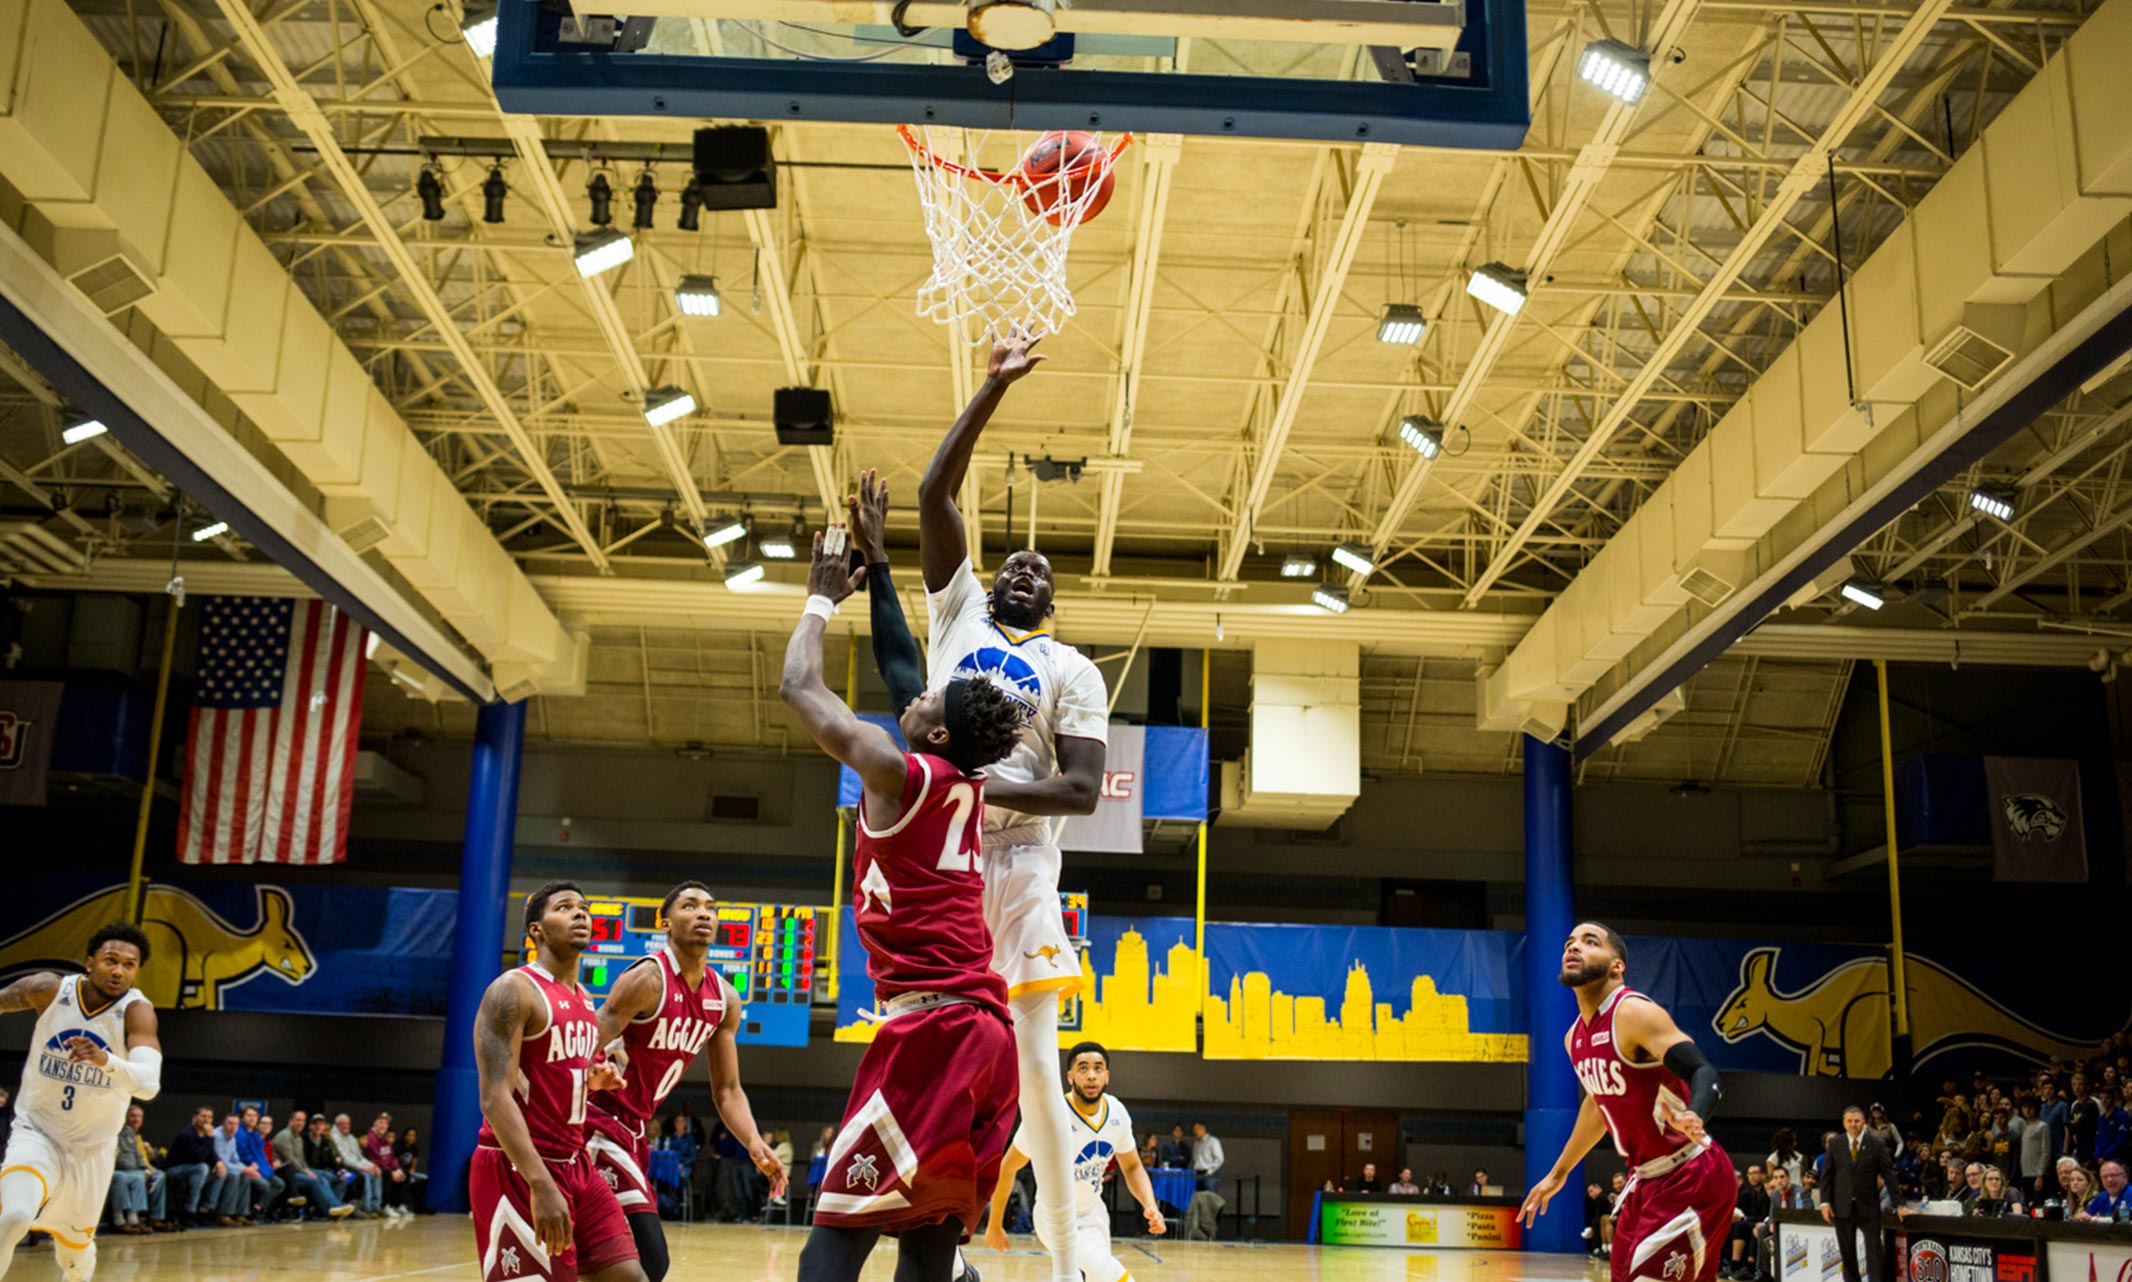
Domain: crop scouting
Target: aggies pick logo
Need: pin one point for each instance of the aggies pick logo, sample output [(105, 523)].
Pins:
[(14, 740)]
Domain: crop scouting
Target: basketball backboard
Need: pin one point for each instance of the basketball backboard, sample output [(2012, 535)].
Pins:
[(1442, 73)]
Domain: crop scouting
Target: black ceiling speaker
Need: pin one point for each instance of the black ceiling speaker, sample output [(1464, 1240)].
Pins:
[(735, 168), (803, 416)]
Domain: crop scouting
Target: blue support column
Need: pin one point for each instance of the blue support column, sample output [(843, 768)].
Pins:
[(477, 944), (1551, 1090)]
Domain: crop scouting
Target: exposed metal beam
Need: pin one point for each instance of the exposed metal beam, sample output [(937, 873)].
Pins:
[(1160, 153)]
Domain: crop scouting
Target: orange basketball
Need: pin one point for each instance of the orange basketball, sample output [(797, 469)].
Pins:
[(1059, 168)]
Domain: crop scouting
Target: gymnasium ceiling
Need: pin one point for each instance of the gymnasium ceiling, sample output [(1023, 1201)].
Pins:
[(1263, 414)]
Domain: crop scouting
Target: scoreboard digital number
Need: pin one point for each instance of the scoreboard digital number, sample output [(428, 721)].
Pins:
[(766, 951)]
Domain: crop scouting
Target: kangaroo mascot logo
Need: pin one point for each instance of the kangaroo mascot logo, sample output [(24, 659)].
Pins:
[(2031, 816), (1840, 1023), (193, 952)]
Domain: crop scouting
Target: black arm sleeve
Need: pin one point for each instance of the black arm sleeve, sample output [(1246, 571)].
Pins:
[(1704, 1088), (895, 649)]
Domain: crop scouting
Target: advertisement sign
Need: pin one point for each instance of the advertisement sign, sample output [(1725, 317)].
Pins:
[(1929, 1255), (1410, 1224), (1115, 826), (1808, 1253), (2088, 1261)]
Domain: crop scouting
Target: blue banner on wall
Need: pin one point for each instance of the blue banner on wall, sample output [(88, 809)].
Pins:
[(1362, 993), (325, 950), (1176, 769)]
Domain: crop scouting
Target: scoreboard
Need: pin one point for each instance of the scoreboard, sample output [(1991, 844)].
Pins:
[(766, 951)]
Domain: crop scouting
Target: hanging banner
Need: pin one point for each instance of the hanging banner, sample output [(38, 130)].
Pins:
[(1362, 993), (241, 945), (1173, 776), (2037, 833), (1142, 971), (1115, 825), (29, 720)]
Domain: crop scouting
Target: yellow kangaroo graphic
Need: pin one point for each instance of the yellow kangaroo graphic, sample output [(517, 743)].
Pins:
[(1049, 952), (1840, 1023), (192, 952)]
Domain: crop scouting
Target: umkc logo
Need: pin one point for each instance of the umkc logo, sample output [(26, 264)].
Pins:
[(14, 740), (1090, 1163), (1011, 671), (56, 1062), (1119, 785)]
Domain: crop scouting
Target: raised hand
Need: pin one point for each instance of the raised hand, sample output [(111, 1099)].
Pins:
[(830, 574), (1012, 358), (868, 510)]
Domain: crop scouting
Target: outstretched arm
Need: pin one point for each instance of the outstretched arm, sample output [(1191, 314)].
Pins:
[(33, 991), (867, 749), (1583, 1137), (733, 1108), (941, 546), (895, 649)]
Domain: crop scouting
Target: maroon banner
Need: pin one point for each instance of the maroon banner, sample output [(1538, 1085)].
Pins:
[(29, 719)]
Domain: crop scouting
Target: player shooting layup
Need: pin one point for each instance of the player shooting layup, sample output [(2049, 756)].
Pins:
[(1649, 1085), (933, 1099), (1056, 769), (76, 1087), (1105, 1133), (662, 1011)]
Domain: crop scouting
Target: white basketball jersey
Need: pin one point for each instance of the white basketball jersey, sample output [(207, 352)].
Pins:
[(1096, 1140), (1061, 690), (68, 1102)]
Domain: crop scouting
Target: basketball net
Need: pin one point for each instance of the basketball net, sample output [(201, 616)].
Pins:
[(1000, 239)]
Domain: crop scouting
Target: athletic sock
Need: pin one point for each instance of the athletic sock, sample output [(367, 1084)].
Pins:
[(1047, 1123)]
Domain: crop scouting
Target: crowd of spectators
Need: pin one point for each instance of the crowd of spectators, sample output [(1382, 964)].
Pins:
[(244, 1171)]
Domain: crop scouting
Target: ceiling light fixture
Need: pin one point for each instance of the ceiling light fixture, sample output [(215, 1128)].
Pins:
[(782, 546), (601, 193), (723, 532), (662, 405), (647, 196), (1993, 500), (480, 29), (1499, 286), (1298, 565), (81, 430), (698, 296), (1402, 323), (599, 251), (741, 573), (1330, 598), (1354, 556), (206, 532), (1865, 592), (1616, 68), (431, 192), (691, 206), (493, 190), (1425, 435)]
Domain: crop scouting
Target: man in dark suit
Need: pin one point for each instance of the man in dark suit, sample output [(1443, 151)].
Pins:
[(1855, 1165)]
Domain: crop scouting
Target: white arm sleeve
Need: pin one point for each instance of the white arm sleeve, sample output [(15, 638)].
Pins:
[(139, 1070)]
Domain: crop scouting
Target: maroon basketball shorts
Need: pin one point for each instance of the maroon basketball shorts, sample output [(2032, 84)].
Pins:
[(504, 1236), (930, 1114), (1672, 1228), (621, 1157)]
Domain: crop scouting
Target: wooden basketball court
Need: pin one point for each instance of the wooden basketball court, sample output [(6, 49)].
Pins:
[(441, 1248)]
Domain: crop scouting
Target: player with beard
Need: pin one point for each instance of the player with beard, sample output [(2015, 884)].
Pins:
[(663, 1011), (1645, 1082), (540, 1210), (1105, 1132), (1056, 770)]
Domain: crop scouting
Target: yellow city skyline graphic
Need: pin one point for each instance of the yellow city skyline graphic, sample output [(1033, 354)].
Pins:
[(1258, 1021), (1135, 1006)]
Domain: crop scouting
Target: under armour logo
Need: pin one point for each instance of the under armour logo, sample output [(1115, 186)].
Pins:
[(863, 1171), (563, 1005), (1676, 1265), (509, 1259), (1049, 952), (677, 1000)]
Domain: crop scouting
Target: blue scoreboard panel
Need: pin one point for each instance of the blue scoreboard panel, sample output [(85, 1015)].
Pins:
[(766, 951)]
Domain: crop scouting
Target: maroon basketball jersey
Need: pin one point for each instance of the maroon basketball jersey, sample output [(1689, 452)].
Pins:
[(552, 1068), (918, 888), (664, 1043), (1628, 1094)]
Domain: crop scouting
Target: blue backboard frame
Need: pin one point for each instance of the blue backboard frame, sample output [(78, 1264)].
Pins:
[(1490, 112)]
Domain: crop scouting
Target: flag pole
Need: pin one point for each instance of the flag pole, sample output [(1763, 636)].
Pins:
[(136, 902), (1898, 973)]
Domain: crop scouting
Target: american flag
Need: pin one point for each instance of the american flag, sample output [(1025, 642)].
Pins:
[(270, 757)]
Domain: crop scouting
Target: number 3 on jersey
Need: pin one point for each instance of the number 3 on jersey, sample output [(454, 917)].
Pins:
[(962, 798)]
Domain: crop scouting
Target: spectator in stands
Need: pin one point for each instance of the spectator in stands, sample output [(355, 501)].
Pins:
[(2034, 1149), (1750, 1207), (2111, 1203), (2113, 1127), (1997, 1197), (325, 1162), (1207, 1157), (1613, 1214), (377, 1147), (1369, 1183), (1150, 1151), (782, 1150), (2055, 1115), (1480, 1185), (1177, 1150), (1439, 1185), (1784, 1152), (1880, 1128), (1405, 1184), (1956, 1118), (256, 1160), (305, 1186), (1783, 1196), (136, 1186), (1595, 1207), (348, 1148), (1972, 1184), (195, 1173), (2083, 1112), (248, 1186), (408, 1153)]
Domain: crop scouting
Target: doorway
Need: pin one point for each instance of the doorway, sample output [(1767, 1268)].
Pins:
[(1332, 1144)]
